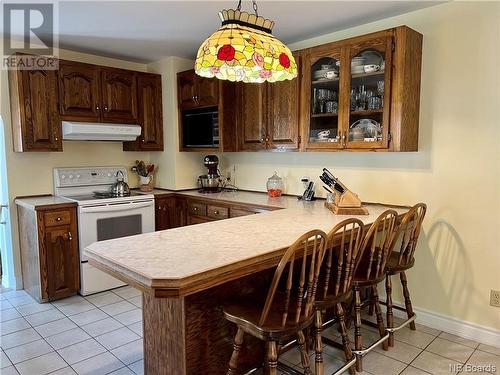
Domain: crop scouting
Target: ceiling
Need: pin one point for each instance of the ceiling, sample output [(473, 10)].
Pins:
[(146, 31)]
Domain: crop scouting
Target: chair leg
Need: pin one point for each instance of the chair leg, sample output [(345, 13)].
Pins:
[(301, 340), (358, 340), (345, 337), (406, 294), (233, 362), (390, 316), (272, 357), (371, 306), (380, 320), (318, 343)]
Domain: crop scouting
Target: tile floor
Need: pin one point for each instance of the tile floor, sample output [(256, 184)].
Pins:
[(102, 334)]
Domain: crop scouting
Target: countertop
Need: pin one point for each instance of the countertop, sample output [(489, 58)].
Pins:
[(41, 201), (235, 196), (186, 259)]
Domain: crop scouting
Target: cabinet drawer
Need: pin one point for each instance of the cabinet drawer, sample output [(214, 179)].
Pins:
[(198, 209), (217, 212), (55, 218), (237, 212)]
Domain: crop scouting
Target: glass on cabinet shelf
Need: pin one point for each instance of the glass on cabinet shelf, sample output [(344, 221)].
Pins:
[(367, 97), (324, 126)]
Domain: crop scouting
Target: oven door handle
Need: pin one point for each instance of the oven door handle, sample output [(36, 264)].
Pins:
[(116, 207)]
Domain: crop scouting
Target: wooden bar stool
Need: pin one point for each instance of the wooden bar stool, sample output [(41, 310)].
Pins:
[(375, 251), (285, 314), (402, 260), (342, 256)]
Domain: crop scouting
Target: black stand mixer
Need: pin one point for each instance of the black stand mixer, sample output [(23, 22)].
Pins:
[(212, 181)]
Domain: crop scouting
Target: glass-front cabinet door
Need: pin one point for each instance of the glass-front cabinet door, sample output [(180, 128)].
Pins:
[(322, 77), (369, 94)]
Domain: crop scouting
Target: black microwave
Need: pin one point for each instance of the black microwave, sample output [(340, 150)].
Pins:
[(200, 128)]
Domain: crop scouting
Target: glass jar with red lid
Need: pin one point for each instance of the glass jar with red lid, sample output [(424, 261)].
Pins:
[(275, 186)]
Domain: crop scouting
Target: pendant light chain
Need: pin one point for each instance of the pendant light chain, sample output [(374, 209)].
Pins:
[(254, 5)]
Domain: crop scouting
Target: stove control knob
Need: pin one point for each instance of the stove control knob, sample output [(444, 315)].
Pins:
[(109, 174), (78, 176), (63, 176), (70, 176)]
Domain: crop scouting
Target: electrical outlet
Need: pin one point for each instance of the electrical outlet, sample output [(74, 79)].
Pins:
[(495, 298)]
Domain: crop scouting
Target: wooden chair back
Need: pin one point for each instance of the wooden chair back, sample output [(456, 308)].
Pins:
[(308, 252), (342, 257), (376, 246), (409, 231)]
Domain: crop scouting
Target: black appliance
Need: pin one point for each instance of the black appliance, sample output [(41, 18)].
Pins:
[(200, 128)]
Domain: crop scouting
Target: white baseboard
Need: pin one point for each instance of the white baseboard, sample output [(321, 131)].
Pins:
[(462, 328)]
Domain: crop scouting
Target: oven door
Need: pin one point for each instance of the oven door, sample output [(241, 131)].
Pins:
[(108, 221)]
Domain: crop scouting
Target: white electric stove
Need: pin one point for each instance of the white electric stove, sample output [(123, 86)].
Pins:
[(102, 216)]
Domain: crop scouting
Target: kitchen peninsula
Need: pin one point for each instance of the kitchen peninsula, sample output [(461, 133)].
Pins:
[(187, 273)]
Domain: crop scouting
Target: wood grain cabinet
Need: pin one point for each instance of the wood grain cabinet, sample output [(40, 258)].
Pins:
[(269, 115), (206, 210), (49, 251), (150, 114), (41, 99), (34, 110), (170, 212), (79, 91), (363, 93), (119, 95), (197, 92)]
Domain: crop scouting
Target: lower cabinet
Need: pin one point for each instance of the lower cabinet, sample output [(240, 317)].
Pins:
[(176, 211), (202, 211), (49, 251), (170, 212)]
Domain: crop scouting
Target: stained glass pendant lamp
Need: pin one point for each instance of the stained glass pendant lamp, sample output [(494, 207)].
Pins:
[(244, 50)]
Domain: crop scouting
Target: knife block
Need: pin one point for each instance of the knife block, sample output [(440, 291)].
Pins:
[(347, 203)]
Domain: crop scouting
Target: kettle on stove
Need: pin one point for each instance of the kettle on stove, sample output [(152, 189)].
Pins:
[(120, 188)]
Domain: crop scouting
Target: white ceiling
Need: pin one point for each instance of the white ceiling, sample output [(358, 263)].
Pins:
[(147, 31)]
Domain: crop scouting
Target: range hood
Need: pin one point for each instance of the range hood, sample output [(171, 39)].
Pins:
[(98, 131)]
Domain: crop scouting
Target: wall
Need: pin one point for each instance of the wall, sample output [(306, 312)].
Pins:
[(456, 171), (31, 173), (177, 170)]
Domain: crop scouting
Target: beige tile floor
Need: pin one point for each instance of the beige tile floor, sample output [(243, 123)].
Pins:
[(102, 334)]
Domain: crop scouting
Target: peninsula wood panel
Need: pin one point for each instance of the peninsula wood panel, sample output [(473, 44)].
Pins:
[(79, 91), (34, 110)]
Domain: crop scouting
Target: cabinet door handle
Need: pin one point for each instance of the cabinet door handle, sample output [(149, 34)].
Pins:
[(97, 108), (58, 218), (160, 207), (216, 212), (106, 109), (262, 140), (143, 140), (267, 139), (70, 237)]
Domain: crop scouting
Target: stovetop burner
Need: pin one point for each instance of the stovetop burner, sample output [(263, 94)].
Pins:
[(100, 195)]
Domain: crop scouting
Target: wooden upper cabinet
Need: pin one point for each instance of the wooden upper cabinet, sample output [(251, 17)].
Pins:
[(186, 82), (79, 94), (269, 115), (363, 93), (283, 119), (253, 116), (34, 110), (207, 92), (119, 95), (197, 92), (150, 114)]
